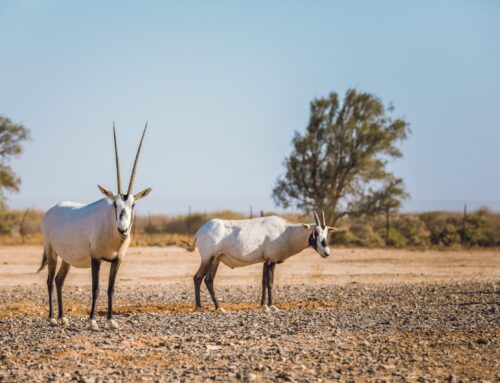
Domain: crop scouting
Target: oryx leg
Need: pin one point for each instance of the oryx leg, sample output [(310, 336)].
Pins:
[(115, 264), (265, 277), (198, 278), (51, 266), (209, 282), (61, 276), (270, 282), (96, 266)]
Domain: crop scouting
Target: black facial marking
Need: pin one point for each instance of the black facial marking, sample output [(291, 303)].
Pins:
[(312, 240), (323, 242), (125, 197), (122, 213)]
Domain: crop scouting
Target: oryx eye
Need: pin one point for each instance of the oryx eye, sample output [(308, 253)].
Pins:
[(133, 205)]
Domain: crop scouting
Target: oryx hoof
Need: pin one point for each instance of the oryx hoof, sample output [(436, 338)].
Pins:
[(113, 325), (53, 321), (274, 308), (64, 321), (221, 310), (199, 309), (266, 308), (93, 325)]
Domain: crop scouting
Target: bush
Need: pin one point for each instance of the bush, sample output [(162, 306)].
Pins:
[(437, 228)]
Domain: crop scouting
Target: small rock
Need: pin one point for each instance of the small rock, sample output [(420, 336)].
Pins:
[(482, 341)]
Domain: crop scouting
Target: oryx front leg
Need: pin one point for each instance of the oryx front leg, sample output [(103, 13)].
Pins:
[(115, 264), (61, 276), (96, 266), (265, 277), (270, 282)]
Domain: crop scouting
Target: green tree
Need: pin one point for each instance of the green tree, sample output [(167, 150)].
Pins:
[(11, 138), (340, 163)]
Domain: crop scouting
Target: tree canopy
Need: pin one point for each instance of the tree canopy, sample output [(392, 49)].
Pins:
[(12, 136), (340, 163)]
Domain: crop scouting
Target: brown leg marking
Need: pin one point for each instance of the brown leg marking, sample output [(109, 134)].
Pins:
[(51, 266), (264, 284), (96, 266), (198, 278), (61, 276), (270, 282), (115, 264), (209, 281)]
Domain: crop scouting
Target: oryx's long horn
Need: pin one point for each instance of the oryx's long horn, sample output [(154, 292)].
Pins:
[(118, 176), (316, 218), (132, 177), (324, 220)]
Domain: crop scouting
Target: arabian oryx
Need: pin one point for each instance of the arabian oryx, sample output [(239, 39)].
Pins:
[(238, 243), (85, 235)]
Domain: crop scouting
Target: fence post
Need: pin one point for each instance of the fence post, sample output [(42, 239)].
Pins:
[(188, 223), (22, 229), (464, 227), (387, 225), (251, 211)]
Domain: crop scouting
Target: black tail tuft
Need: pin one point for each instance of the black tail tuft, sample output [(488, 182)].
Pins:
[(44, 262)]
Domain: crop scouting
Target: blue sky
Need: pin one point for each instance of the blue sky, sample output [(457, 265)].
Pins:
[(224, 86)]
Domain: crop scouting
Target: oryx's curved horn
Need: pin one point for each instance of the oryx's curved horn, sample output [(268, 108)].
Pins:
[(118, 177), (324, 220), (132, 177), (334, 228), (316, 218)]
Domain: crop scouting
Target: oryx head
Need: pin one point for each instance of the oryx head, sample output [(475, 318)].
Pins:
[(124, 203), (319, 235)]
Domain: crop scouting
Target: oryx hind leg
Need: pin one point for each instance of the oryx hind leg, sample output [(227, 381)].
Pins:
[(51, 267), (60, 278), (198, 278), (209, 282)]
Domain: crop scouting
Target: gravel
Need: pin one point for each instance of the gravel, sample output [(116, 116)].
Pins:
[(404, 332)]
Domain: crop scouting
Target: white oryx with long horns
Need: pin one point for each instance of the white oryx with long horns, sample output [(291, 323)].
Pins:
[(85, 235), (238, 243)]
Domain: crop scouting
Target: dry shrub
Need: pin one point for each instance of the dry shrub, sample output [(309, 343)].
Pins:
[(429, 229)]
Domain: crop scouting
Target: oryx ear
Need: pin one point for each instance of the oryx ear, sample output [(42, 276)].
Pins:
[(106, 192), (142, 194), (306, 226), (334, 228)]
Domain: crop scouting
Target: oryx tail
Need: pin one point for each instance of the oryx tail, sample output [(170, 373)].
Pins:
[(188, 246), (44, 261)]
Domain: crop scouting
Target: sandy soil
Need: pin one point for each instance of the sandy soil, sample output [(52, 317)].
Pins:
[(361, 315), (153, 265)]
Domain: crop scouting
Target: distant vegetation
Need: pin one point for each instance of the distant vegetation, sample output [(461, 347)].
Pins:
[(435, 229), (339, 164), (12, 136)]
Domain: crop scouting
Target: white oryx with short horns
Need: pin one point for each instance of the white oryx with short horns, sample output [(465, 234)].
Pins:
[(85, 235), (238, 243)]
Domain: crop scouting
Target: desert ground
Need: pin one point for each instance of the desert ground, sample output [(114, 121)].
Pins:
[(360, 315)]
